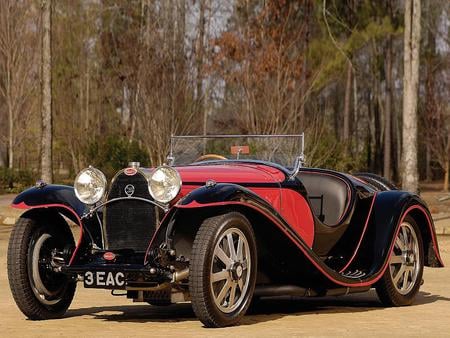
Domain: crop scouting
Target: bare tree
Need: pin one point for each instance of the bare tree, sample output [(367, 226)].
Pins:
[(16, 69), (387, 112), (46, 88), (410, 90)]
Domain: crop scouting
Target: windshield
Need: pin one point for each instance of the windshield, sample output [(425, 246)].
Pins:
[(281, 149)]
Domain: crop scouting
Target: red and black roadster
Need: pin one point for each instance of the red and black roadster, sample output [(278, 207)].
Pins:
[(228, 220)]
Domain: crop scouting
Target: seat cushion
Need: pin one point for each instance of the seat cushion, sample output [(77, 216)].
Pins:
[(328, 195)]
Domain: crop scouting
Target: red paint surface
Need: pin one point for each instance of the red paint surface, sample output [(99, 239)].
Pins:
[(295, 210), (236, 173)]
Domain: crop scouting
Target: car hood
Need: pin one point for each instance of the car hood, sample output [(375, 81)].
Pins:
[(230, 173)]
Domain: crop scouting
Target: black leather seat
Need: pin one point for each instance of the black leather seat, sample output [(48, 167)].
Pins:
[(328, 195)]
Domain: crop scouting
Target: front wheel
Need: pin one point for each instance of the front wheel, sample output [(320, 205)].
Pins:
[(403, 276), (35, 250), (223, 270)]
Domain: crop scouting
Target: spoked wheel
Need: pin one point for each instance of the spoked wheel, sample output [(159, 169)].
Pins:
[(35, 253), (223, 270), (401, 281)]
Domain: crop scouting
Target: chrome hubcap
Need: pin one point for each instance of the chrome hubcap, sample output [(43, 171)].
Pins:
[(230, 270), (404, 263)]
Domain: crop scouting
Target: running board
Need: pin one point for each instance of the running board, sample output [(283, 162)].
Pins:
[(297, 291)]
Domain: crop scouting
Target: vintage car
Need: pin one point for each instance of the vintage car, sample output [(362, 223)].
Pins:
[(228, 220)]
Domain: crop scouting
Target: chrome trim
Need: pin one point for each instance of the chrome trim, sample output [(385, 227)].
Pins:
[(93, 210), (102, 230)]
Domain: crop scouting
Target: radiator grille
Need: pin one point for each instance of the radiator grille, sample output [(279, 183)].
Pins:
[(129, 224)]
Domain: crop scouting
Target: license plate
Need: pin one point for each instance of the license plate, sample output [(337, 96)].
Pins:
[(104, 280)]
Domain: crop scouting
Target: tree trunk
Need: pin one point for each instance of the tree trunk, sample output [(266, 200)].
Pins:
[(8, 90), (199, 51), (410, 86), (428, 176), (348, 93), (2, 159), (387, 112), (46, 141), (446, 175)]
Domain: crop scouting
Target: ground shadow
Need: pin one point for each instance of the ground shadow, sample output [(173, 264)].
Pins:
[(265, 310)]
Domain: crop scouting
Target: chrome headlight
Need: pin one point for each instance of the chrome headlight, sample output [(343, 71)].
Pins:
[(90, 185), (164, 184)]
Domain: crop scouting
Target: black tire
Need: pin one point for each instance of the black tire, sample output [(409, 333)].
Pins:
[(377, 181), (25, 235), (160, 297), (388, 293), (204, 259)]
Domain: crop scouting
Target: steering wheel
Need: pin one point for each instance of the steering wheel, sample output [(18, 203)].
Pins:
[(207, 157)]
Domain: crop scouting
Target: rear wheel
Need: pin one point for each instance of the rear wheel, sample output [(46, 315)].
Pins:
[(34, 251), (223, 270), (402, 278)]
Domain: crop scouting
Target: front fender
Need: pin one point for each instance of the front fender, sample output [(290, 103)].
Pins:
[(52, 196), (218, 193)]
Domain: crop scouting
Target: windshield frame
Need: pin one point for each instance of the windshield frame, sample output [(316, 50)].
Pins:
[(299, 159)]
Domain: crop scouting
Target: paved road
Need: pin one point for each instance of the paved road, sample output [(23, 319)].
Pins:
[(96, 313)]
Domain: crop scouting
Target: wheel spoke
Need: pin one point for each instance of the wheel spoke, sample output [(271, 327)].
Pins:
[(405, 238), (231, 246), (398, 243), (240, 254), (232, 295), (224, 291), (396, 259), (399, 274), (218, 276), (405, 278), (241, 284), (223, 256)]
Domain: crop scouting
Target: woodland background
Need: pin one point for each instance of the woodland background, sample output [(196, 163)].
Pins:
[(127, 74)]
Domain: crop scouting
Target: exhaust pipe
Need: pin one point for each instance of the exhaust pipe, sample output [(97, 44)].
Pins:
[(178, 276)]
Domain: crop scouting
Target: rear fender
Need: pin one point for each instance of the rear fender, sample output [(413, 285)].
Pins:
[(389, 211)]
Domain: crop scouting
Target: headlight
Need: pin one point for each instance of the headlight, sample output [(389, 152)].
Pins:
[(164, 184), (90, 185)]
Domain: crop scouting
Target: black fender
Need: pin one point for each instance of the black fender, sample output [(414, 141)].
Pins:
[(389, 210), (61, 197), (371, 256)]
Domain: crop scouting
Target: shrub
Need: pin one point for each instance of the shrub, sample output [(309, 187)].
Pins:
[(114, 153), (13, 181)]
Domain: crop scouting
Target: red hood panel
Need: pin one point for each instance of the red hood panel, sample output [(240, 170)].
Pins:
[(235, 173)]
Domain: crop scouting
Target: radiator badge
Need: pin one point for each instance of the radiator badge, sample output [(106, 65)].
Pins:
[(129, 190), (130, 171)]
